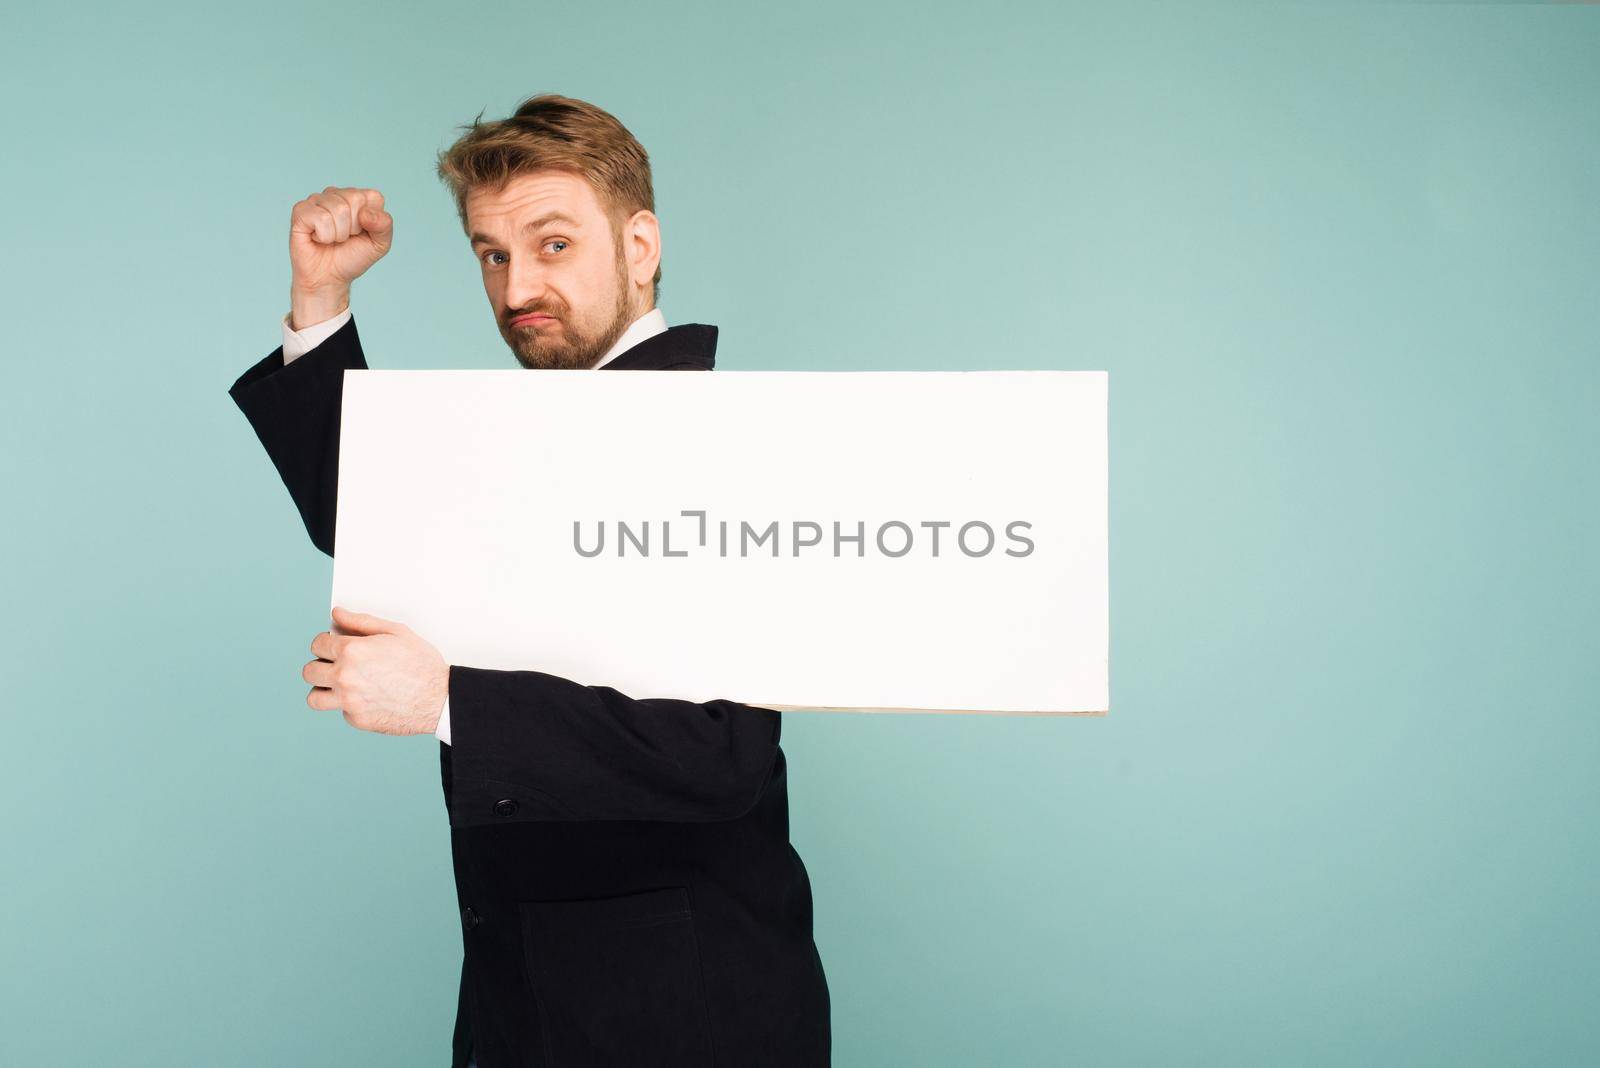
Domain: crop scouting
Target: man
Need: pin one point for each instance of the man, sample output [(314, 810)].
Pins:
[(627, 889)]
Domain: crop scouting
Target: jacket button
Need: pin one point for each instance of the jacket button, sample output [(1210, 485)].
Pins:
[(505, 807), (469, 917)]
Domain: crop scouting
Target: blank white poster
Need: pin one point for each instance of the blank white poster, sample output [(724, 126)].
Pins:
[(855, 540)]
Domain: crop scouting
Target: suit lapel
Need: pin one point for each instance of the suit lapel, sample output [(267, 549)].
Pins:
[(687, 346)]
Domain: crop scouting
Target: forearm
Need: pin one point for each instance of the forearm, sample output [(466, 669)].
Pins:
[(308, 306), (294, 408), (559, 750)]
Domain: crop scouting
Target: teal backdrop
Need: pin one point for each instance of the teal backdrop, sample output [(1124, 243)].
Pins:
[(1341, 263)]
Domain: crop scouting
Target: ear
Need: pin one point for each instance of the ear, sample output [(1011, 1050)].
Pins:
[(641, 246)]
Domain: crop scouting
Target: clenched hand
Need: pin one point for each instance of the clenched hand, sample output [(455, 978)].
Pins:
[(334, 236)]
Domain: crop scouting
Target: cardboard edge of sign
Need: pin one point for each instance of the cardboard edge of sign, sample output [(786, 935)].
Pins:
[(945, 711)]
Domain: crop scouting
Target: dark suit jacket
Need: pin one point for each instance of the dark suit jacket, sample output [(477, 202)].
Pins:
[(627, 888)]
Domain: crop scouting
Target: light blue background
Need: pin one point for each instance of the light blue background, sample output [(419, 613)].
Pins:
[(1341, 262)]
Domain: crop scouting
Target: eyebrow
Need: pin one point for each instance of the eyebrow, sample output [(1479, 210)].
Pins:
[(542, 221)]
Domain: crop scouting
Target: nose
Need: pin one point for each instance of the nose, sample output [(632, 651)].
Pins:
[(525, 282)]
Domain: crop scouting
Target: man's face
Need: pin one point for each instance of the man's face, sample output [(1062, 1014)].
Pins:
[(561, 283)]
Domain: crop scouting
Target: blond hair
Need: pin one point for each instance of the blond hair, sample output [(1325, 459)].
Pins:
[(551, 132)]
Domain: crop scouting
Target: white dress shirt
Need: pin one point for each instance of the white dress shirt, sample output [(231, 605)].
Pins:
[(297, 343)]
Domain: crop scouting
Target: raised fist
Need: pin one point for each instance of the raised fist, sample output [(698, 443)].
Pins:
[(334, 236)]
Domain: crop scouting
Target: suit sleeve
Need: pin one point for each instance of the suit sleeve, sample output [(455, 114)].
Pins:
[(297, 343), (294, 409), (527, 745)]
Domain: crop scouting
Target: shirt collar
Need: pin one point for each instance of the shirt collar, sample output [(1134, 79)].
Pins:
[(649, 324)]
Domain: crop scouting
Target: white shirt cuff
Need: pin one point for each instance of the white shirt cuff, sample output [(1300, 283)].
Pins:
[(297, 343), (444, 722)]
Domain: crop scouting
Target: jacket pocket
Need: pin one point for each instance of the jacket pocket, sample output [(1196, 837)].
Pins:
[(618, 980)]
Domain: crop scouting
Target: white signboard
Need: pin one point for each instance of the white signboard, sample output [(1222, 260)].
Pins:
[(855, 540)]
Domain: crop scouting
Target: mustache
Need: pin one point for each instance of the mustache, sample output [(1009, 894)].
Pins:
[(535, 309)]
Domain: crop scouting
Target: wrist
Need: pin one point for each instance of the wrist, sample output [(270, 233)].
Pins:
[(310, 306), (440, 697)]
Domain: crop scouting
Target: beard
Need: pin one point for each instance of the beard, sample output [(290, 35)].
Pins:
[(564, 344)]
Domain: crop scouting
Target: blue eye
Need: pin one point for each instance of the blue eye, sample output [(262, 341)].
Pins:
[(558, 241)]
